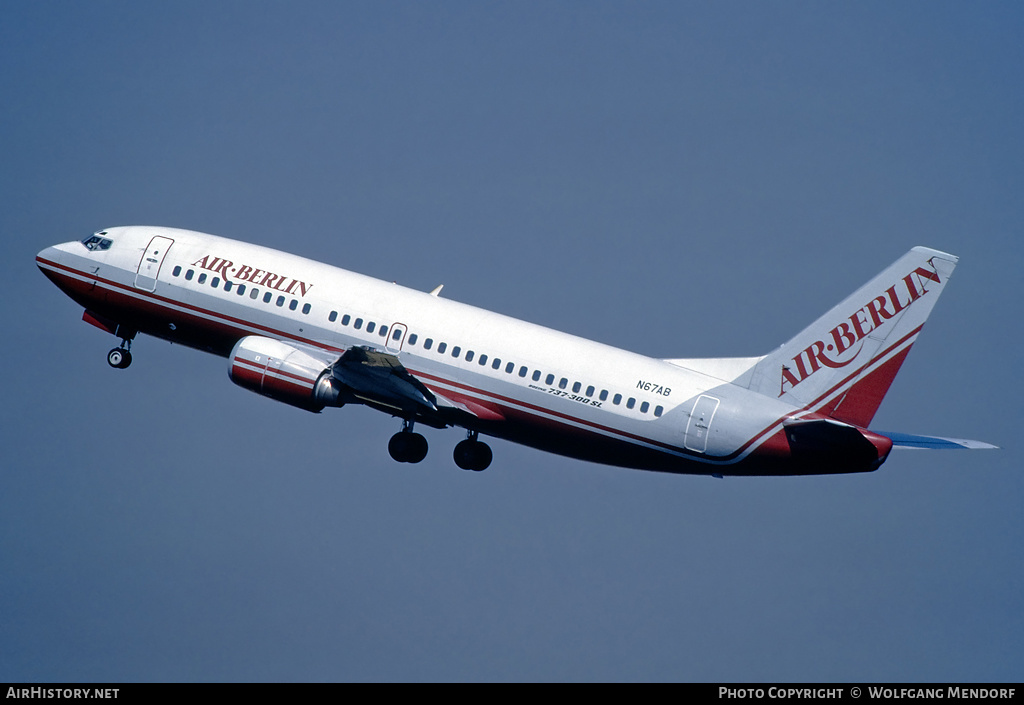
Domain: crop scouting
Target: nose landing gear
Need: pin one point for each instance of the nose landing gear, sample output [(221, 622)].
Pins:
[(120, 357)]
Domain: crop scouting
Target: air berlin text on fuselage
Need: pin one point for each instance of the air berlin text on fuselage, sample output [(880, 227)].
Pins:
[(260, 277), (846, 335)]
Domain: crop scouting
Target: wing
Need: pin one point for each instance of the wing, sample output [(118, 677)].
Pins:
[(378, 379), (312, 378)]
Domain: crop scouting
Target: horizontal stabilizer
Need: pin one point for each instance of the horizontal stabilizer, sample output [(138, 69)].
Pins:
[(906, 440), (728, 369)]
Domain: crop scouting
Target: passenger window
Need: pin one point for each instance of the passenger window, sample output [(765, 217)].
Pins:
[(536, 375), (345, 319), (428, 343), (254, 294), (293, 305), (562, 383), (496, 364), (412, 339), (176, 271), (383, 331), (456, 351), (280, 301), (550, 380), (358, 324), (202, 278), (604, 395), (241, 290), (469, 356), (631, 403), (659, 410), (396, 334), (188, 274), (441, 347), (523, 371), (617, 399), (576, 387), (590, 391), (306, 308), (267, 297), (215, 282), (370, 326), (509, 366), (483, 360), (227, 285), (333, 316), (644, 406)]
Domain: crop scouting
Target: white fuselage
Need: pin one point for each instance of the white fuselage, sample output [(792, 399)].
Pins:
[(520, 381)]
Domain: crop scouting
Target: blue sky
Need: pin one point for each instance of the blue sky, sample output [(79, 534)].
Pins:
[(679, 179)]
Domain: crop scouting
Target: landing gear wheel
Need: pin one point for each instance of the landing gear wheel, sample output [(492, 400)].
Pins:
[(119, 358), (471, 454), (407, 447)]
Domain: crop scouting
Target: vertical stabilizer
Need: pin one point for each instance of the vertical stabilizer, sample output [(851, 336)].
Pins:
[(843, 363)]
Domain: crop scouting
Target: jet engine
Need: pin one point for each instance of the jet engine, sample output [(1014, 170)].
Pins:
[(283, 372)]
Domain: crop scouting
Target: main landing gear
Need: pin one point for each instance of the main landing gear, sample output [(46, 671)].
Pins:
[(406, 446), (472, 454), (120, 357), (409, 447)]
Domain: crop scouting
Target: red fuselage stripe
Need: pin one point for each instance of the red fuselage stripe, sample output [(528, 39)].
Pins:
[(540, 412)]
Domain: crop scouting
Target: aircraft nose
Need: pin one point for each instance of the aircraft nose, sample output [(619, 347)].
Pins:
[(50, 254), (50, 262)]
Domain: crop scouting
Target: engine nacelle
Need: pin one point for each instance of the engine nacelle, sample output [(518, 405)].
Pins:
[(282, 372)]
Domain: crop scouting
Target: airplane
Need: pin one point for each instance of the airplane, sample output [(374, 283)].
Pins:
[(314, 336)]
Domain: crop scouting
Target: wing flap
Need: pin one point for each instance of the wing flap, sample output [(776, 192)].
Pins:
[(474, 408)]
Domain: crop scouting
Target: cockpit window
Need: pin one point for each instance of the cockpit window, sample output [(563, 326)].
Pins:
[(95, 242)]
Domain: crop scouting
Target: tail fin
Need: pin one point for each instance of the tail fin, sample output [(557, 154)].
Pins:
[(842, 364)]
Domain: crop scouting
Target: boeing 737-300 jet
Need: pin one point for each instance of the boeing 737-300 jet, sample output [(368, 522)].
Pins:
[(313, 336)]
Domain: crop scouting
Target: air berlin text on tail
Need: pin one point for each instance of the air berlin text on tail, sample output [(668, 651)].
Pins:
[(862, 321)]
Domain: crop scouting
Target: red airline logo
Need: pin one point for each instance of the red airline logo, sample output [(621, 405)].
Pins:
[(843, 343), (230, 271)]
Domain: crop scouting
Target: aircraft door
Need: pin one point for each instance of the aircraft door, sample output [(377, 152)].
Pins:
[(700, 423), (396, 338), (149, 266)]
